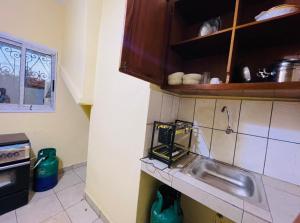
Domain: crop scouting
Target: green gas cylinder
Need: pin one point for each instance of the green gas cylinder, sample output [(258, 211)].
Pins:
[(46, 170), (166, 208)]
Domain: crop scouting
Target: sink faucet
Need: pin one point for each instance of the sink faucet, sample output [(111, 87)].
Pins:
[(228, 129)]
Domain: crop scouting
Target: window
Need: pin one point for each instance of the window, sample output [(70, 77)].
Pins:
[(27, 76)]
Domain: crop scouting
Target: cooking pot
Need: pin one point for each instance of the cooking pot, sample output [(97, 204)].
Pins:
[(284, 70)]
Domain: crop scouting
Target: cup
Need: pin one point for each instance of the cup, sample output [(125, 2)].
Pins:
[(215, 80), (206, 78)]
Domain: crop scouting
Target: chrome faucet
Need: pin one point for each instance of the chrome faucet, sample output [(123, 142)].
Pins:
[(228, 129)]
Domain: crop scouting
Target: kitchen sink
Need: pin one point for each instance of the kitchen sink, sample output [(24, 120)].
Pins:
[(238, 182)]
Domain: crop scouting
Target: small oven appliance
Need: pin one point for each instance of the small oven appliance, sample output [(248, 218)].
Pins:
[(14, 171)]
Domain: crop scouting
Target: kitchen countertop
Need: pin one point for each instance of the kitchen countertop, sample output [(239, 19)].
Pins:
[(283, 198)]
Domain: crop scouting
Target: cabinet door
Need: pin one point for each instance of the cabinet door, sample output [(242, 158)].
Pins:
[(145, 40)]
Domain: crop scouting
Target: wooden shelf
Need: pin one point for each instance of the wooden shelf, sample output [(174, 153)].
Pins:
[(264, 89), (215, 43), (277, 30), (292, 17)]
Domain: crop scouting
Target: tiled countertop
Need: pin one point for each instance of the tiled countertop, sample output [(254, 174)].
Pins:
[(283, 198)]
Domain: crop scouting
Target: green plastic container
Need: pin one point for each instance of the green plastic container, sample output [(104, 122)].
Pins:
[(166, 208), (46, 170)]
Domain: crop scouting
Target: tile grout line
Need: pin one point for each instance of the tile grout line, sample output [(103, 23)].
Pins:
[(56, 194), (212, 132), (65, 209), (16, 216), (237, 130), (270, 122), (247, 134), (161, 105)]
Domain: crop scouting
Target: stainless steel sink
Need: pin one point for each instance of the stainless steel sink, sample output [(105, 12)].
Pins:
[(233, 180)]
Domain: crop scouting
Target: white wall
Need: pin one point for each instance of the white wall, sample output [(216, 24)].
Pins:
[(67, 128), (80, 41), (117, 130)]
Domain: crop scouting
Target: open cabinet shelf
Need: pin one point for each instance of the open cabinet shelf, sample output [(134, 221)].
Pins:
[(241, 41), (217, 42), (268, 89)]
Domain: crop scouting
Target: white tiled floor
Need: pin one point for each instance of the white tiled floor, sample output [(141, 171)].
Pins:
[(63, 204)]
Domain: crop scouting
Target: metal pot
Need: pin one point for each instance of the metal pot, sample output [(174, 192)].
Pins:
[(284, 70)]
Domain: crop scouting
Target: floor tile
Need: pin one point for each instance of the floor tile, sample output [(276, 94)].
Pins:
[(9, 217), (82, 213), (81, 172), (71, 195), (98, 221), (67, 180), (39, 210), (62, 217), (38, 195)]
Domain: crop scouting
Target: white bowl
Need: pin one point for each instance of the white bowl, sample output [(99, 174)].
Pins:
[(193, 76), (175, 81), (176, 75), (189, 81)]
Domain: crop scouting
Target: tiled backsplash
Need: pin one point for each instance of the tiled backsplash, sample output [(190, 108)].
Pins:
[(266, 137)]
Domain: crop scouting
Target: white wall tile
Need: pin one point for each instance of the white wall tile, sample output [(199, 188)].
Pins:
[(282, 161), (284, 206), (175, 107), (222, 147), (166, 110), (233, 107), (186, 109), (255, 117), (201, 141), (204, 112), (250, 152), (285, 123), (154, 106), (148, 138)]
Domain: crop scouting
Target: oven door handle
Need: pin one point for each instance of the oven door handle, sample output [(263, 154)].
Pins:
[(14, 165)]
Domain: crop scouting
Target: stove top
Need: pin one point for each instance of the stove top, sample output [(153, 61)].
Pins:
[(14, 147)]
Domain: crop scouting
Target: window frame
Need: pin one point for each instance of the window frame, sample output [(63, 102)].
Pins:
[(21, 107)]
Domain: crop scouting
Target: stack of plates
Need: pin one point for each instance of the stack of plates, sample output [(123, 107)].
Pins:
[(192, 78), (277, 11), (175, 78)]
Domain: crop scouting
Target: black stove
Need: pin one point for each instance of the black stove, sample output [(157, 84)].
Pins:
[(14, 171)]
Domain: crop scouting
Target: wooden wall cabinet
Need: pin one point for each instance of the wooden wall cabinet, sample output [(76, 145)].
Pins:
[(162, 37)]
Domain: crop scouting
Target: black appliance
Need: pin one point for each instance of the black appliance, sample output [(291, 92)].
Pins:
[(14, 171), (169, 149)]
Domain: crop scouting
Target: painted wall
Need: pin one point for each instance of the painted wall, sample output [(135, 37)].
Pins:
[(117, 130), (80, 41), (67, 128)]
